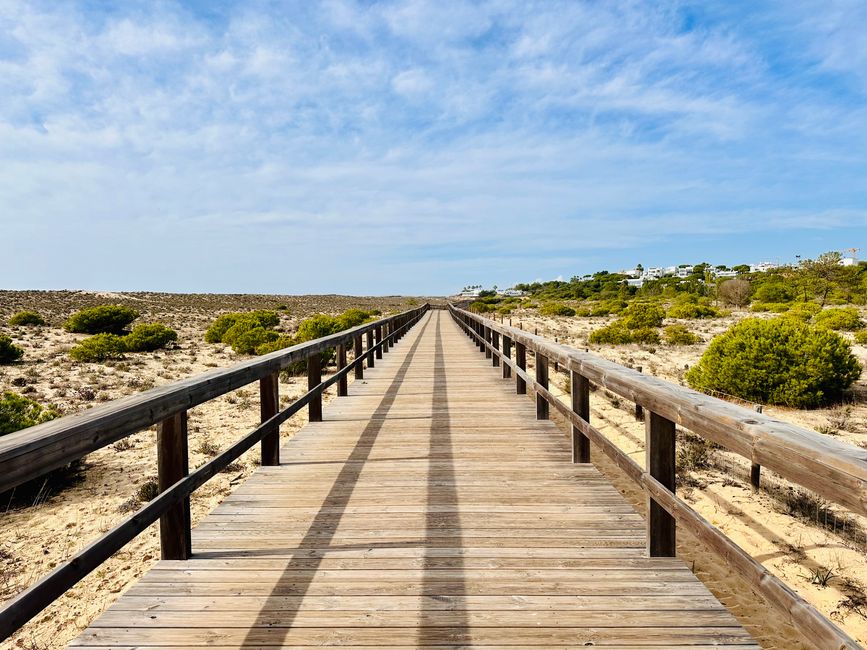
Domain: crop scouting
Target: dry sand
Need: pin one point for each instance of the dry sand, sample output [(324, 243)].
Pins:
[(35, 539)]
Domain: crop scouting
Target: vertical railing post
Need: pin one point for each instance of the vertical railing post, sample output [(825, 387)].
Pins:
[(507, 354), (314, 378), (173, 461), (377, 337), (495, 342), (755, 468), (521, 362), (269, 404), (386, 332), (660, 453), (370, 356), (342, 383), (639, 409), (359, 366), (542, 380), (488, 334), (580, 389)]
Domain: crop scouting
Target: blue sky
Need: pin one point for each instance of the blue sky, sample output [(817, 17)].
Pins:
[(414, 147)]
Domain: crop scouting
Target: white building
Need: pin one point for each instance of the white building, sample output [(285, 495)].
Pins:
[(513, 293), (848, 261), (653, 273), (471, 293), (635, 282), (631, 273), (684, 271), (725, 274), (764, 267)]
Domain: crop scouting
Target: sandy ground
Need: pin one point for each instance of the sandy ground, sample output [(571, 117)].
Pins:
[(794, 543), (35, 539)]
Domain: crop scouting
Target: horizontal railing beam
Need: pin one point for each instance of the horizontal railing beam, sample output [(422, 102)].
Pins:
[(835, 470), (32, 452)]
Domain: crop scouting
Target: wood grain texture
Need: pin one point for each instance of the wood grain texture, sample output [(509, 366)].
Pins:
[(431, 509)]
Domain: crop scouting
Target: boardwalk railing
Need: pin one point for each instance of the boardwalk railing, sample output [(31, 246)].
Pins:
[(33, 452), (834, 470)]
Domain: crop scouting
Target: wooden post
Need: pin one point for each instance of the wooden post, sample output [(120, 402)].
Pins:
[(269, 404), (386, 332), (370, 355), (581, 405), (755, 468), (639, 409), (173, 461), (521, 362), (359, 367), (542, 379), (377, 337), (660, 457), (314, 378), (495, 341), (507, 353), (342, 383), (488, 353)]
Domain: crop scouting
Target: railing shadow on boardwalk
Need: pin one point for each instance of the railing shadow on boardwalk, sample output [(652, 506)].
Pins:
[(324, 526)]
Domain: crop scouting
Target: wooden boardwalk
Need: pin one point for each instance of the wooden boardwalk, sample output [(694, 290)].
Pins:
[(430, 508)]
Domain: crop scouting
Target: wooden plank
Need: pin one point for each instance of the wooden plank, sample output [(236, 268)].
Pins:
[(429, 508)]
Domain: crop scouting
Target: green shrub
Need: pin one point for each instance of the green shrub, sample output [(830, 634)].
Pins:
[(26, 318), (18, 412), (147, 338), (777, 361), (350, 318), (845, 318), (692, 310), (481, 307), (614, 334), (645, 335), (600, 310), (583, 312), (775, 307), (773, 292), (9, 352), (803, 310), (504, 311), (861, 337), (248, 341), (282, 341), (105, 319), (556, 309), (679, 335), (262, 318), (643, 314), (99, 347)]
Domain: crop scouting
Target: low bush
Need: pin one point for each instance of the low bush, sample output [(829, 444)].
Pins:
[(9, 352), (773, 292), (618, 334), (262, 318), (679, 335), (282, 341), (583, 312), (249, 340), (777, 361), (504, 310), (100, 347), (614, 334), (481, 307), (775, 307), (735, 292), (692, 310), (26, 318), (861, 337), (105, 319), (556, 309), (147, 338), (803, 310), (639, 315), (18, 412), (843, 318)]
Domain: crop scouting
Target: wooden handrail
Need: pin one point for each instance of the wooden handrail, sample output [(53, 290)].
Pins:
[(23, 607), (32, 452), (665, 507), (835, 470)]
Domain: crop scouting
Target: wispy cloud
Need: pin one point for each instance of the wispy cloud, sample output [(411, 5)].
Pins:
[(454, 140)]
